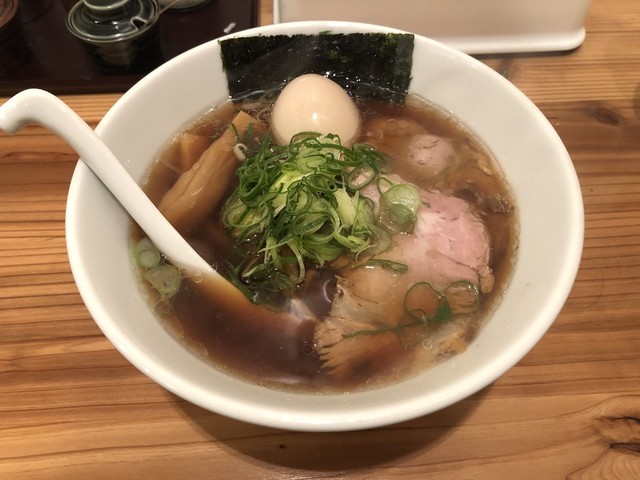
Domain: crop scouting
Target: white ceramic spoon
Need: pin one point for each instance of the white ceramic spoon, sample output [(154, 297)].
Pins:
[(40, 107)]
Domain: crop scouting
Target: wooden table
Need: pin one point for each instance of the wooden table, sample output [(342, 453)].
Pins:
[(72, 407)]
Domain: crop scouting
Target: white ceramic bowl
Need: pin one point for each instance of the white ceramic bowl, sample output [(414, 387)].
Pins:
[(531, 154)]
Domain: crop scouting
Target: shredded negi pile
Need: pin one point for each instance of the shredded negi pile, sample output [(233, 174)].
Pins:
[(300, 204)]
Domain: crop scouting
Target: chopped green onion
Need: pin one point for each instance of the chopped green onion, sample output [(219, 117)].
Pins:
[(297, 199), (423, 302), (399, 208), (146, 253), (382, 242), (425, 305), (166, 279), (360, 177), (345, 208), (390, 264)]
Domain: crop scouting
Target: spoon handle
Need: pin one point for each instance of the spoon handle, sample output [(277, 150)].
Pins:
[(38, 106)]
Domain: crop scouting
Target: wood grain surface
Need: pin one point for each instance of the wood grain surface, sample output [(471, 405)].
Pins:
[(72, 407)]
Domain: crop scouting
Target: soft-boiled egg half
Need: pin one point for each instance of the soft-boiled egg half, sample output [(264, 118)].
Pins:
[(314, 103)]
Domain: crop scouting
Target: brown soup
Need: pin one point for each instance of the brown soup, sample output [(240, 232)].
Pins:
[(463, 193)]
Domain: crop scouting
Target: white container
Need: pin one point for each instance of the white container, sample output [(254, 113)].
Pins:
[(473, 26)]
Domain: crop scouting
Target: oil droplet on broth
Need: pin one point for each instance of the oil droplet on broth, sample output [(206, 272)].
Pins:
[(427, 344)]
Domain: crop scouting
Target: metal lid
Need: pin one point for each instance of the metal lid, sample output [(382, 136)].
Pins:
[(111, 20), (8, 10)]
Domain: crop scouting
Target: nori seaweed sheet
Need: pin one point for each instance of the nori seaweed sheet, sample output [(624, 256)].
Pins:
[(368, 65)]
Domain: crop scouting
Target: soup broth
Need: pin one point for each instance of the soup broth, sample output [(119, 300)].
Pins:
[(317, 349)]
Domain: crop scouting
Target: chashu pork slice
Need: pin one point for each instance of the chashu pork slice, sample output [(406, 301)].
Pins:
[(449, 244)]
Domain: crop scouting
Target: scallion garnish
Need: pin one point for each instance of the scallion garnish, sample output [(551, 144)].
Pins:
[(147, 255), (163, 277), (390, 264), (425, 306), (399, 208), (299, 204)]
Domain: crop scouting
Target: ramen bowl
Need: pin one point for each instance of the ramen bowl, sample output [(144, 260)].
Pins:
[(530, 153)]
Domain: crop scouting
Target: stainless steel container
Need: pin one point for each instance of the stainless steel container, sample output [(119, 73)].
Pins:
[(120, 35)]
